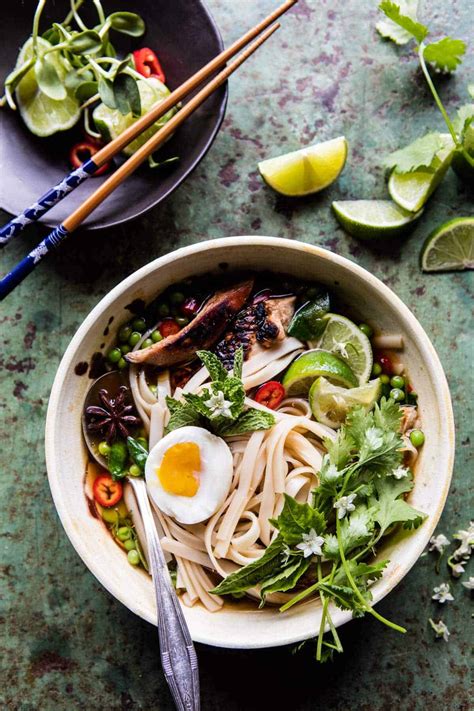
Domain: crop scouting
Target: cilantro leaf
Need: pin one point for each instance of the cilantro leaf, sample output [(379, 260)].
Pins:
[(388, 508), (445, 54), (344, 597), (249, 421), (362, 573), (356, 530), (470, 90), (296, 519), (463, 119), (253, 573), (182, 414), (388, 415), (392, 30), (214, 366), (285, 579), (340, 449), (419, 154), (408, 23)]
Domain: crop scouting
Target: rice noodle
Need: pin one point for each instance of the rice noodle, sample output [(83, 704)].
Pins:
[(389, 341)]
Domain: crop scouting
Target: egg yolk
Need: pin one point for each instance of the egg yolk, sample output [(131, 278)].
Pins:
[(178, 469)]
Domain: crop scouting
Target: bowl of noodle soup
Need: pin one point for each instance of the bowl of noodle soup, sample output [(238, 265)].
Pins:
[(286, 457)]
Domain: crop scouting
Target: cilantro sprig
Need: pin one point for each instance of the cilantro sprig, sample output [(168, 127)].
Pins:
[(220, 407), (327, 547), (401, 25)]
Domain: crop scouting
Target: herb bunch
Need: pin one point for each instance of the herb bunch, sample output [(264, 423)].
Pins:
[(328, 547)]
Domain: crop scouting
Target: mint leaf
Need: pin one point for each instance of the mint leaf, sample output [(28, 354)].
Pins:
[(391, 30), (446, 54), (214, 366), (233, 390), (388, 508), (393, 12), (238, 363), (296, 519), (285, 579), (181, 415), (419, 154), (249, 421), (253, 573)]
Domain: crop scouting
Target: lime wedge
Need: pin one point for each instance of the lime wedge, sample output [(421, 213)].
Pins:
[(311, 365), (42, 115), (111, 123), (450, 247), (330, 403), (306, 171), (343, 338), (412, 190), (370, 219)]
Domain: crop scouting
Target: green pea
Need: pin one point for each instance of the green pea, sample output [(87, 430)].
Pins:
[(110, 515), (164, 310), (146, 343), (123, 533), (182, 320), (365, 328), (417, 438), (385, 379), (134, 338), (376, 369), (397, 381), (122, 363), (156, 336), (125, 349), (139, 324), (134, 470), (177, 297), (397, 394), (103, 448), (129, 544), (133, 557), (124, 333), (114, 355)]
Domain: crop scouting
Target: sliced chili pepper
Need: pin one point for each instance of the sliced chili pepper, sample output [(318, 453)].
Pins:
[(148, 64), (270, 394), (83, 151), (107, 492), (386, 363), (168, 327), (190, 307)]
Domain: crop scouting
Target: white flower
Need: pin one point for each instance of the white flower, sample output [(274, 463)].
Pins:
[(457, 569), (440, 629), (467, 542), (438, 543), (374, 437), (442, 593), (218, 405), (311, 544), (400, 473), (469, 584), (344, 505)]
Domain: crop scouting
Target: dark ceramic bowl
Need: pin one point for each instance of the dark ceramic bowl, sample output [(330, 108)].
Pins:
[(185, 37)]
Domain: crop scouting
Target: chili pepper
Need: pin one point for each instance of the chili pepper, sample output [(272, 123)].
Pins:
[(168, 327), (190, 307), (117, 459), (137, 452), (148, 64), (84, 150), (107, 492), (270, 394), (386, 364)]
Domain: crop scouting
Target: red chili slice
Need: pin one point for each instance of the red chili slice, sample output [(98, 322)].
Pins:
[(83, 151), (168, 327), (107, 492), (148, 64), (386, 364), (190, 307), (270, 394)]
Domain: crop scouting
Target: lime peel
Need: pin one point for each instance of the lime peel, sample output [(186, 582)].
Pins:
[(449, 247), (330, 403), (371, 219)]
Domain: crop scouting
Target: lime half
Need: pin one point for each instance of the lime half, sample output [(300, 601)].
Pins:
[(343, 338), (450, 247), (412, 190), (111, 123), (330, 403), (313, 364), (306, 171), (369, 219), (42, 115)]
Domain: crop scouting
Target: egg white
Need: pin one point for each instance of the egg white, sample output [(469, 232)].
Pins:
[(215, 476)]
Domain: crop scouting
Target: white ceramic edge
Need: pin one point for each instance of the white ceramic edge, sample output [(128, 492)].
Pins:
[(387, 583)]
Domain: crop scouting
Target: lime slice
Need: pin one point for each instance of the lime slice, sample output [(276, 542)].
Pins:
[(311, 365), (42, 115), (111, 123), (412, 190), (369, 219), (343, 338), (450, 247), (306, 171), (330, 403)]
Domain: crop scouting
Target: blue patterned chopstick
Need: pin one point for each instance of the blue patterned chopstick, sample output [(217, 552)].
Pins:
[(46, 202)]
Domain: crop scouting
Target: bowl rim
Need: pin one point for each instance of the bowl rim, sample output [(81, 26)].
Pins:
[(387, 583)]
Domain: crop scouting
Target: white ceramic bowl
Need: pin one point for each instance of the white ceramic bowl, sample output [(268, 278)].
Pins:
[(66, 455)]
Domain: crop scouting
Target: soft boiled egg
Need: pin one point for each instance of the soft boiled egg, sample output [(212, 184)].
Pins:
[(189, 473)]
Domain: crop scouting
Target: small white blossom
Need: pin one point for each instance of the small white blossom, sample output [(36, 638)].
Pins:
[(311, 544), (400, 473), (344, 505), (457, 569), (438, 543), (442, 593), (440, 629), (469, 584), (218, 405), (467, 542), (374, 437)]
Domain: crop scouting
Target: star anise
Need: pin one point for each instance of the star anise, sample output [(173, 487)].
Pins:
[(114, 417)]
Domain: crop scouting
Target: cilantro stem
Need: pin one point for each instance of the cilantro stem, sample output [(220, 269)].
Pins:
[(36, 21), (424, 68)]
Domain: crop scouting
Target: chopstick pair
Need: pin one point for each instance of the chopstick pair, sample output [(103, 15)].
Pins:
[(59, 234)]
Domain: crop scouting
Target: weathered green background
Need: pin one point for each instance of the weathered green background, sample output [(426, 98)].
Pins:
[(66, 644)]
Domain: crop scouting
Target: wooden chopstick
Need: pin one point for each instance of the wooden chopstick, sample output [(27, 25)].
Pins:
[(72, 222)]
